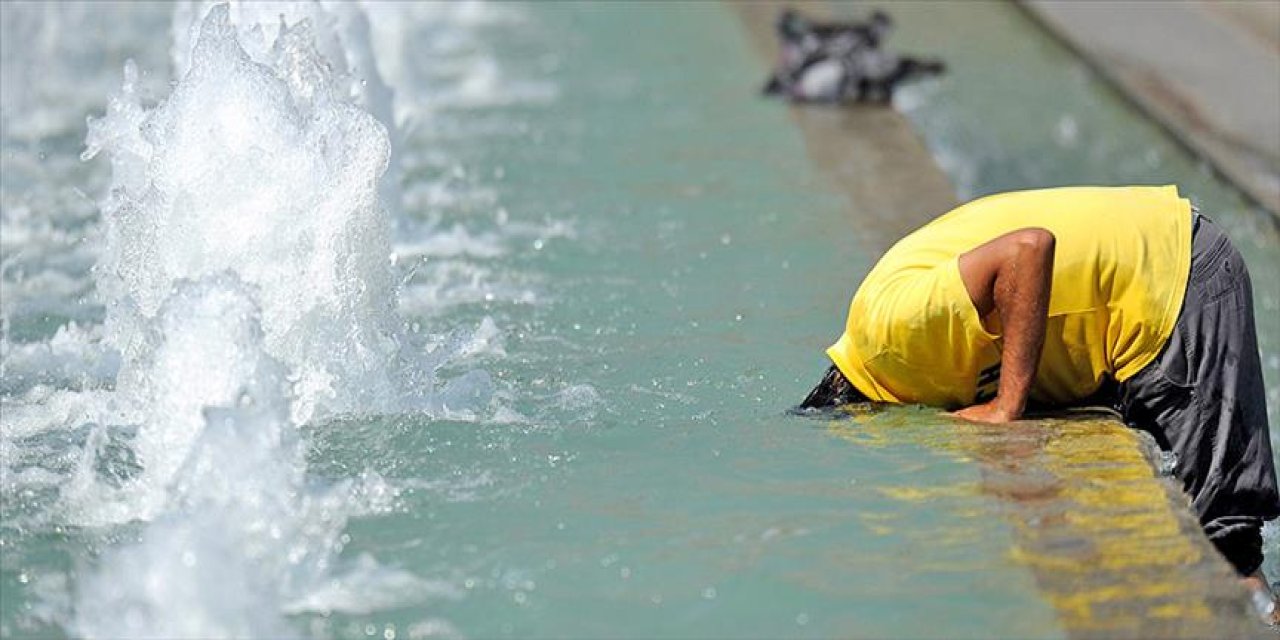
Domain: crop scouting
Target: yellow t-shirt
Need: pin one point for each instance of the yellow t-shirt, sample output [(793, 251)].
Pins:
[(1120, 271)]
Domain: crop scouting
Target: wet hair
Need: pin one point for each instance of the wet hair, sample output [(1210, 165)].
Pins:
[(832, 391)]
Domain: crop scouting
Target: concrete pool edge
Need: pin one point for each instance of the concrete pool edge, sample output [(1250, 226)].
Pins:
[(1238, 138), (1105, 538), (1145, 569), (1091, 568)]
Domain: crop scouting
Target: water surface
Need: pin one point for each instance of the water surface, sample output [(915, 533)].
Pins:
[(632, 269)]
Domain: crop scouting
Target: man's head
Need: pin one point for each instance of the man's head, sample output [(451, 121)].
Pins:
[(832, 391)]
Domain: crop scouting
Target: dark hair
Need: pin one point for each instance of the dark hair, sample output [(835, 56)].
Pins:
[(833, 390)]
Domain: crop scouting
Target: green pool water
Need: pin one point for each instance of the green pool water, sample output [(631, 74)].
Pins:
[(709, 266)]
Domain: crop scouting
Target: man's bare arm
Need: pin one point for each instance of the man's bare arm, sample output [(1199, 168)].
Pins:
[(1011, 275)]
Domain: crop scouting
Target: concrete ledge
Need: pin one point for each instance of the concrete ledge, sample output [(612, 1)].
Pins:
[(1208, 72), (1109, 542)]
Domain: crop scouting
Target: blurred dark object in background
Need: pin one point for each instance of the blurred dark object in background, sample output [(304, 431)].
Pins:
[(840, 62)]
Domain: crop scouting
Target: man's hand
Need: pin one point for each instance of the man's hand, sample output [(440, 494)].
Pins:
[(989, 412), (1011, 275)]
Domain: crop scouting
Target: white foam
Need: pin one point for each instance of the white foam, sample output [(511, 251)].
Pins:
[(73, 358), (341, 37), (578, 398), (203, 351), (247, 281), (43, 408), (368, 586), (239, 538), (272, 176), (246, 273)]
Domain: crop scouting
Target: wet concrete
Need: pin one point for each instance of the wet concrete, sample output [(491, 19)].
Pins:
[(1111, 544), (1209, 72)]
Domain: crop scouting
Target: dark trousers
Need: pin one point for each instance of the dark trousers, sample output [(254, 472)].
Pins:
[(1204, 401)]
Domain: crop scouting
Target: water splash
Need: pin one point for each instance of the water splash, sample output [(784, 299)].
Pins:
[(341, 35), (247, 281), (241, 539), (236, 463), (270, 175)]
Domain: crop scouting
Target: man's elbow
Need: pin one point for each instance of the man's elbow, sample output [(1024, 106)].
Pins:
[(1033, 241)]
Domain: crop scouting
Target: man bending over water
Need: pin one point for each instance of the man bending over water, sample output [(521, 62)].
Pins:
[(1053, 297)]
